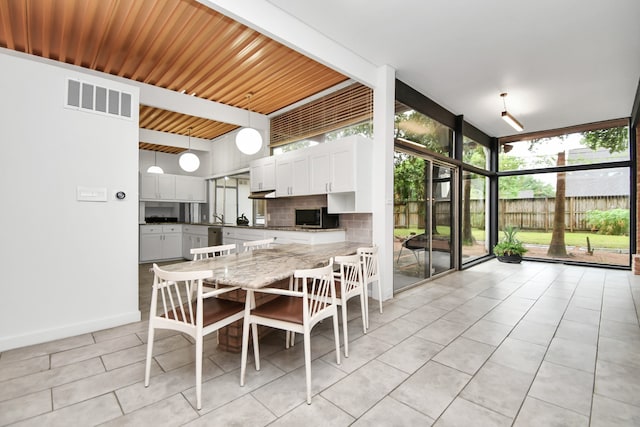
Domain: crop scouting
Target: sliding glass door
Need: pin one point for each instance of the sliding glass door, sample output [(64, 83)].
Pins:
[(425, 225)]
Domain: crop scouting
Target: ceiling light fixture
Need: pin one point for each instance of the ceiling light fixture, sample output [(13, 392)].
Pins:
[(155, 168), (508, 117), (188, 161), (249, 140)]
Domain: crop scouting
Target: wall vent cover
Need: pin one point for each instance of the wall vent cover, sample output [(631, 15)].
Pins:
[(86, 96)]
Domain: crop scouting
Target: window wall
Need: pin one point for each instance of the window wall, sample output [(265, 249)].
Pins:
[(569, 195)]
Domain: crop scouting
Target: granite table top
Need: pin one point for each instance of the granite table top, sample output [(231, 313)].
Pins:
[(262, 267)]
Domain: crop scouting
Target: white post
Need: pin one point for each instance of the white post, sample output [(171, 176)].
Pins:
[(382, 178)]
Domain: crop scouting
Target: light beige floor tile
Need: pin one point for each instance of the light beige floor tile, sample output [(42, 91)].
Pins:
[(46, 348), (620, 352), (583, 315), (225, 388), (320, 413), (578, 332), (619, 382), (520, 355), (97, 385), (390, 412), (172, 411), (138, 353), (462, 316), (627, 315), (362, 389), (488, 332), (51, 378), (465, 413), (24, 407), (441, 331), (131, 328), (21, 368), (136, 395), (586, 302), (395, 331), (619, 330), (505, 315), (390, 312), (465, 355), (288, 391), (90, 412), (425, 315), (498, 388), (431, 389), (245, 411), (612, 413), (293, 357), (565, 387), (536, 413), (361, 351), (572, 354), (93, 350), (410, 354), (532, 332)]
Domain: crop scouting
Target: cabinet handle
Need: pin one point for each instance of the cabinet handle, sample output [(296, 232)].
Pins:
[(330, 187), (326, 187)]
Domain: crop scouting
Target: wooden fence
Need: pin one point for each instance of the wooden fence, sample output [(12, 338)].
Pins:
[(526, 214)]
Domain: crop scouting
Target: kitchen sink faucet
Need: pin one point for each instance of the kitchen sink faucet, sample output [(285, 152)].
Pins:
[(218, 218)]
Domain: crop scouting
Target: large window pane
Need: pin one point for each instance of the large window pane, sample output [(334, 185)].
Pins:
[(414, 126), (591, 147), (590, 221), (473, 153)]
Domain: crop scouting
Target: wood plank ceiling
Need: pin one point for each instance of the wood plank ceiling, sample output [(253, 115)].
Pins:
[(174, 44)]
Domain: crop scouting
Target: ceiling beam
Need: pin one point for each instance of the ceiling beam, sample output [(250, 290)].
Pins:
[(174, 140)]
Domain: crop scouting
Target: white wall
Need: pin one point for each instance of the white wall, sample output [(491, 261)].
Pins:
[(69, 267)]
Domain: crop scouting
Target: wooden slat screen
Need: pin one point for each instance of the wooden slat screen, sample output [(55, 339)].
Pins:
[(345, 107)]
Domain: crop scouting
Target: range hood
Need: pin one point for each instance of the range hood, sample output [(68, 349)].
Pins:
[(271, 194)]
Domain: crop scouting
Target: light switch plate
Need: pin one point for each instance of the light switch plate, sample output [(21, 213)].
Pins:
[(92, 194)]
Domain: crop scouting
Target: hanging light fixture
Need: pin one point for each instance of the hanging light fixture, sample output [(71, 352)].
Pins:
[(249, 140), (155, 168), (188, 161), (508, 117)]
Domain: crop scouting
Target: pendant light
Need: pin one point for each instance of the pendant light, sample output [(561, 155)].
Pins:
[(508, 117), (249, 140), (188, 161), (155, 168)]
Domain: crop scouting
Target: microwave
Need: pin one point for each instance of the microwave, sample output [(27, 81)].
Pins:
[(316, 218)]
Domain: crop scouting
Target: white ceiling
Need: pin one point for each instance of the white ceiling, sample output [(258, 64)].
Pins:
[(563, 63)]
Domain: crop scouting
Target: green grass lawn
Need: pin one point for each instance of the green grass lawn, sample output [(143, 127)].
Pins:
[(540, 237)]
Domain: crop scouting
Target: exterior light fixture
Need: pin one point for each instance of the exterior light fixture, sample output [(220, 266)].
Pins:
[(508, 117), (155, 168), (188, 161), (249, 140)]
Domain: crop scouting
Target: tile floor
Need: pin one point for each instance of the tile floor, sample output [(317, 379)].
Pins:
[(525, 345)]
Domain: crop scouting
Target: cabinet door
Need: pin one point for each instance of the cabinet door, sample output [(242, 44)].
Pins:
[(269, 174), (319, 172), (255, 176), (150, 247), (187, 244), (166, 187), (283, 177), (172, 245), (300, 176), (190, 189), (148, 186), (342, 170)]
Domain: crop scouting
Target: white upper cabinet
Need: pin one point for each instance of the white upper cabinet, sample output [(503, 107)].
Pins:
[(263, 174), (292, 175), (166, 187)]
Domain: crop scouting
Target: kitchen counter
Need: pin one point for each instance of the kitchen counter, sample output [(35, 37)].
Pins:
[(249, 227)]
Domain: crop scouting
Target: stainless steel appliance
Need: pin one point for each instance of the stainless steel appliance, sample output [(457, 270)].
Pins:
[(316, 218), (215, 236)]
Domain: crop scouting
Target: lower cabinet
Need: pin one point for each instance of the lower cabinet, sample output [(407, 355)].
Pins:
[(193, 236), (158, 242)]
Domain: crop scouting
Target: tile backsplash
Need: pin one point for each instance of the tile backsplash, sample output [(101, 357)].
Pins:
[(281, 213)]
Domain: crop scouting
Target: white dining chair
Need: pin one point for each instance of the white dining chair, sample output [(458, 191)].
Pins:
[(349, 283), (212, 251), (173, 307), (296, 311), (370, 274), (258, 244)]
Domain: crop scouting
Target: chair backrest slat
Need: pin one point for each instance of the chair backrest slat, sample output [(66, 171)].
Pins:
[(319, 283), (369, 260), (258, 244), (212, 251), (350, 271)]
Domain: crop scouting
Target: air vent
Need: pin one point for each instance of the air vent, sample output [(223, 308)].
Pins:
[(87, 96)]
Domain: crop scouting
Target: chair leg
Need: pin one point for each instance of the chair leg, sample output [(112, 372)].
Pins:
[(336, 334), (380, 295), (256, 346), (363, 308), (147, 368), (307, 362), (343, 305), (199, 372), (399, 253), (365, 289), (245, 335)]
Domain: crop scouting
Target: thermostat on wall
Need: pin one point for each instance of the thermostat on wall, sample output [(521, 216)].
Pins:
[(91, 194)]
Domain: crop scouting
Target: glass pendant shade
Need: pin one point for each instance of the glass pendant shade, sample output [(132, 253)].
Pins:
[(155, 168), (189, 162), (249, 141)]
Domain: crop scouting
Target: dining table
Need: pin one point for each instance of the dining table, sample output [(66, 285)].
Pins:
[(260, 268)]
